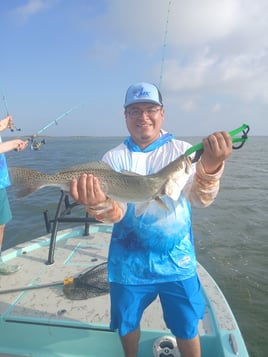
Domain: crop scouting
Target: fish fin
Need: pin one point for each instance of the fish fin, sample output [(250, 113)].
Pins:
[(25, 181), (173, 188), (23, 191), (161, 203), (89, 166), (140, 208)]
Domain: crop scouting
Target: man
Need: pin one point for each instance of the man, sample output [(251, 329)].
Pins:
[(5, 212), (153, 254)]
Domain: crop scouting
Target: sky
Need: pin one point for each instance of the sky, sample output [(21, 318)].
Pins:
[(208, 57)]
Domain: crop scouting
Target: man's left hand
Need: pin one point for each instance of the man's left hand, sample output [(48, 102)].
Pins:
[(217, 148)]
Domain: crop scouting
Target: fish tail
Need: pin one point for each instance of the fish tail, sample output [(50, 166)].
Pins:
[(26, 181)]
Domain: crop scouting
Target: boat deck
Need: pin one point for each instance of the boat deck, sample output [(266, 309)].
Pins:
[(74, 254)]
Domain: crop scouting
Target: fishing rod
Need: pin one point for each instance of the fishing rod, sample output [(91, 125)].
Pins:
[(12, 126), (55, 121), (35, 145)]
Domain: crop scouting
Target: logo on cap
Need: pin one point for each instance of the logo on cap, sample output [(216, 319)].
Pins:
[(141, 93)]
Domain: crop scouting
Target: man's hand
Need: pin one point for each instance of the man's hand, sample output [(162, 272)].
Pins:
[(217, 148), (86, 190)]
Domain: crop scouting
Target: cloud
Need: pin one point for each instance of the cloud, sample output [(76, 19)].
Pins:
[(216, 108), (193, 23), (244, 76), (143, 23), (189, 23), (211, 45), (32, 7), (190, 75)]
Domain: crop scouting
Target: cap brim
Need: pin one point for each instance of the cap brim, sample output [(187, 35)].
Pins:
[(143, 101)]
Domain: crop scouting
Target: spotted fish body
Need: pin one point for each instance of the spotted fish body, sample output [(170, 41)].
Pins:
[(120, 186)]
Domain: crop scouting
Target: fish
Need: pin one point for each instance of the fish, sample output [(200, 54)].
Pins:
[(124, 186)]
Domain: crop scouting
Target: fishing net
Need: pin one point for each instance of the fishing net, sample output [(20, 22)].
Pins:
[(92, 283)]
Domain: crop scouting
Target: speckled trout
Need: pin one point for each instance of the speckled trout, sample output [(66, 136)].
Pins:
[(121, 186)]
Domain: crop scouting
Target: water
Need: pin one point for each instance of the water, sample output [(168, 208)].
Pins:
[(231, 235)]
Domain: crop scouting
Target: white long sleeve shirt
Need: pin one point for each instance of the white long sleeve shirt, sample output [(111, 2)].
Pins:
[(157, 246)]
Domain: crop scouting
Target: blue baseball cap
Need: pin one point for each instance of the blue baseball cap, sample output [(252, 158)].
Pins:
[(143, 93)]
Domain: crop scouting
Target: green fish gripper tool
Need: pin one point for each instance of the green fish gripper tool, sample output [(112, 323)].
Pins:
[(198, 148)]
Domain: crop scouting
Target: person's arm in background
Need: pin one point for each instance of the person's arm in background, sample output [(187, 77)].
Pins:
[(15, 144)]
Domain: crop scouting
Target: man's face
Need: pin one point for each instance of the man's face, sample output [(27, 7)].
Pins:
[(144, 122)]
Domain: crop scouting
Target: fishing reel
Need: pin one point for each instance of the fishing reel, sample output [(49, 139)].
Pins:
[(13, 127)]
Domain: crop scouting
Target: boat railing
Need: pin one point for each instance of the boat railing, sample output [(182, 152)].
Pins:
[(63, 215)]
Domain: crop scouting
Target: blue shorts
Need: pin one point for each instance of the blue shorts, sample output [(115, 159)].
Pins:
[(182, 304), (5, 212)]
